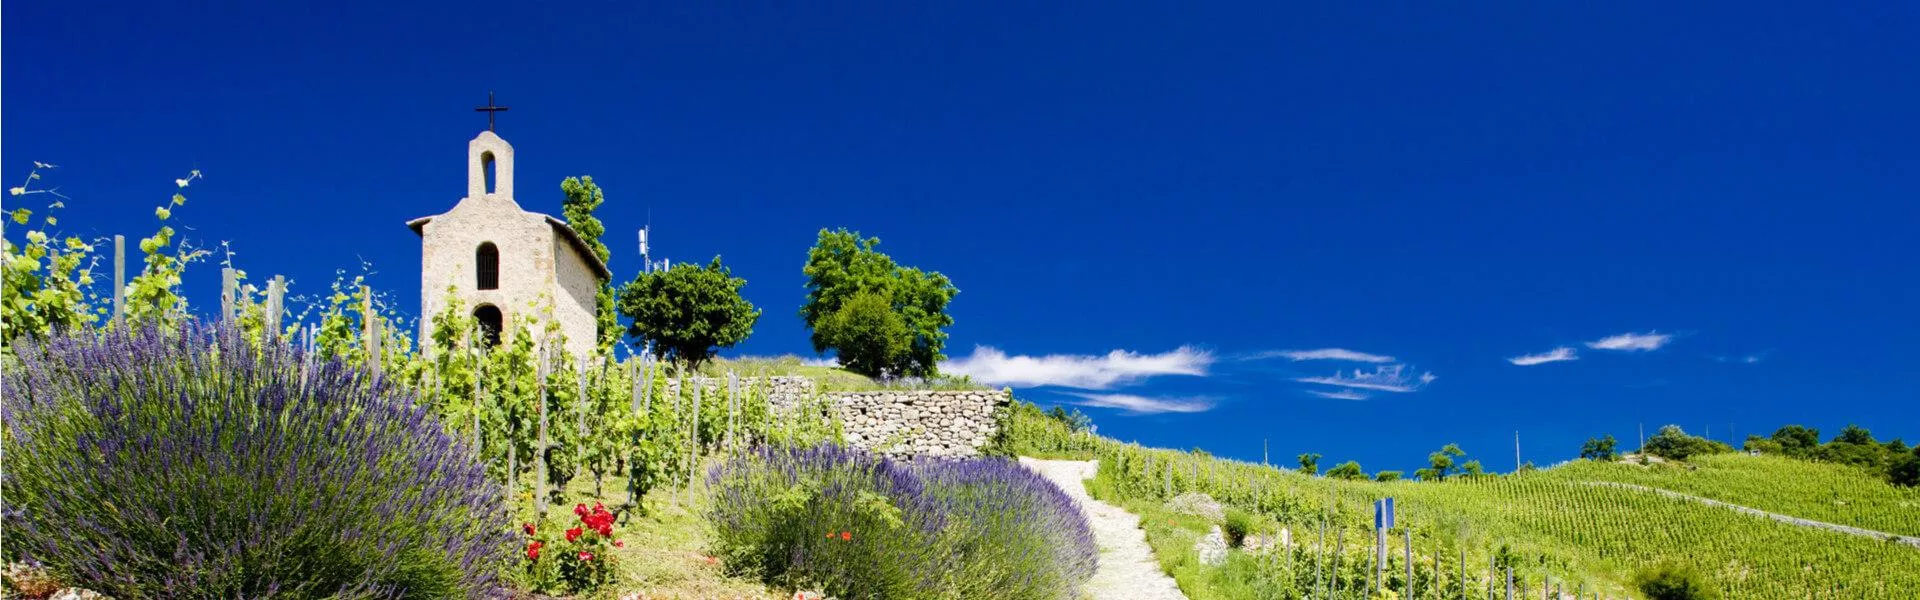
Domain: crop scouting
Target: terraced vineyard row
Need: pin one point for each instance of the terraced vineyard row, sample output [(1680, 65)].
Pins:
[(1831, 493), (1548, 523)]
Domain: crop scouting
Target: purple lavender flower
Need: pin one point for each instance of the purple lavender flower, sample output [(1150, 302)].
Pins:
[(189, 463)]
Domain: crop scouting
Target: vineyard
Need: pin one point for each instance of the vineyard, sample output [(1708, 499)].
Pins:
[(1820, 491), (1553, 527)]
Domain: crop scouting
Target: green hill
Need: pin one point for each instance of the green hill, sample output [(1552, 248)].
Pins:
[(1819, 491), (1564, 524)]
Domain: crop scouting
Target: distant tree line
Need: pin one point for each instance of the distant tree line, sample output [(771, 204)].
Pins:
[(1855, 446)]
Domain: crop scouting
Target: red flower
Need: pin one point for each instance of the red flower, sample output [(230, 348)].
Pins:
[(527, 528), (712, 560), (580, 509), (846, 535), (533, 550), (585, 555), (619, 544), (573, 534)]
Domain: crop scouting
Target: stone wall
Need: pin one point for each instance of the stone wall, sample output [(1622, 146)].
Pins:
[(920, 423), (892, 422)]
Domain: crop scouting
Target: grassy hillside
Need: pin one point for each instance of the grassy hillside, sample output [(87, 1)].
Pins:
[(1827, 492), (828, 378), (1550, 525)]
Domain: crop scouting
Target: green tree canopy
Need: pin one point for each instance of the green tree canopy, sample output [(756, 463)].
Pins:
[(1600, 448), (1440, 463), (1797, 440), (687, 312), (841, 267), (1310, 463), (1854, 434), (1349, 470), (1672, 442), (582, 198)]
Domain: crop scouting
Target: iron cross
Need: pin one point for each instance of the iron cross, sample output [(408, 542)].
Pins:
[(490, 108)]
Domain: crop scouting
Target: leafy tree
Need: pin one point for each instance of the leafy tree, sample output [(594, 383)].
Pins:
[(1349, 470), (582, 198), (1764, 445), (687, 311), (1905, 469), (1672, 442), (1796, 440), (1310, 463), (1601, 448), (1472, 468), (1673, 581), (840, 267), (1440, 463), (1854, 434), (1075, 421), (1387, 476), (869, 336)]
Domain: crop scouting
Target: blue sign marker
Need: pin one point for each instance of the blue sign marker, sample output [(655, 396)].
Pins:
[(1383, 514)]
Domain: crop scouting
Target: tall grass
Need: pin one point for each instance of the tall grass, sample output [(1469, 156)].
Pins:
[(865, 527), (186, 463)]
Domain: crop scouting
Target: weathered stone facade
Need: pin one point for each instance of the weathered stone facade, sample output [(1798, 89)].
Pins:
[(544, 271), (920, 423), (892, 422)]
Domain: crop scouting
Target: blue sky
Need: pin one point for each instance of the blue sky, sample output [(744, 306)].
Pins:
[(1179, 209)]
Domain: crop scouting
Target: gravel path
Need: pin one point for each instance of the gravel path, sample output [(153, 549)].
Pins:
[(1127, 567), (1791, 520)]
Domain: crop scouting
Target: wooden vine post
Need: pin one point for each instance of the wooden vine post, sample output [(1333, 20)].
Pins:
[(228, 280), (276, 302), (120, 279), (680, 383), (371, 325), (540, 449), (693, 459)]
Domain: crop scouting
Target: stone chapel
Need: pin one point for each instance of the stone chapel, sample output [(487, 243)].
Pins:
[(508, 266)]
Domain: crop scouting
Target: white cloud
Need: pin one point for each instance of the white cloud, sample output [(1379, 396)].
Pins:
[(1323, 354), (1554, 355), (815, 361), (1629, 342), (1753, 358), (1141, 405), (1341, 394), (1385, 378), (990, 366)]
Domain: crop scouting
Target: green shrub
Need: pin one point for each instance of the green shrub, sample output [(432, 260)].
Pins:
[(1025, 430), (1236, 526), (1673, 581)]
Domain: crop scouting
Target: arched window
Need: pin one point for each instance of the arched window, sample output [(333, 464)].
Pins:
[(486, 266), (490, 323), (486, 170)]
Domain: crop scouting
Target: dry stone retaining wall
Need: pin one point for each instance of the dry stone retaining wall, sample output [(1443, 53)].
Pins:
[(893, 422)]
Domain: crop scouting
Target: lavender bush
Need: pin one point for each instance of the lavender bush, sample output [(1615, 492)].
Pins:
[(187, 463), (866, 527)]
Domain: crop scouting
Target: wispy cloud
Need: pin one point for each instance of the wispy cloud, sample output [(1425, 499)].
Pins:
[(1748, 359), (1142, 405), (1322, 354), (1630, 342), (1341, 394), (815, 361), (1385, 378), (1562, 353), (990, 366)]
